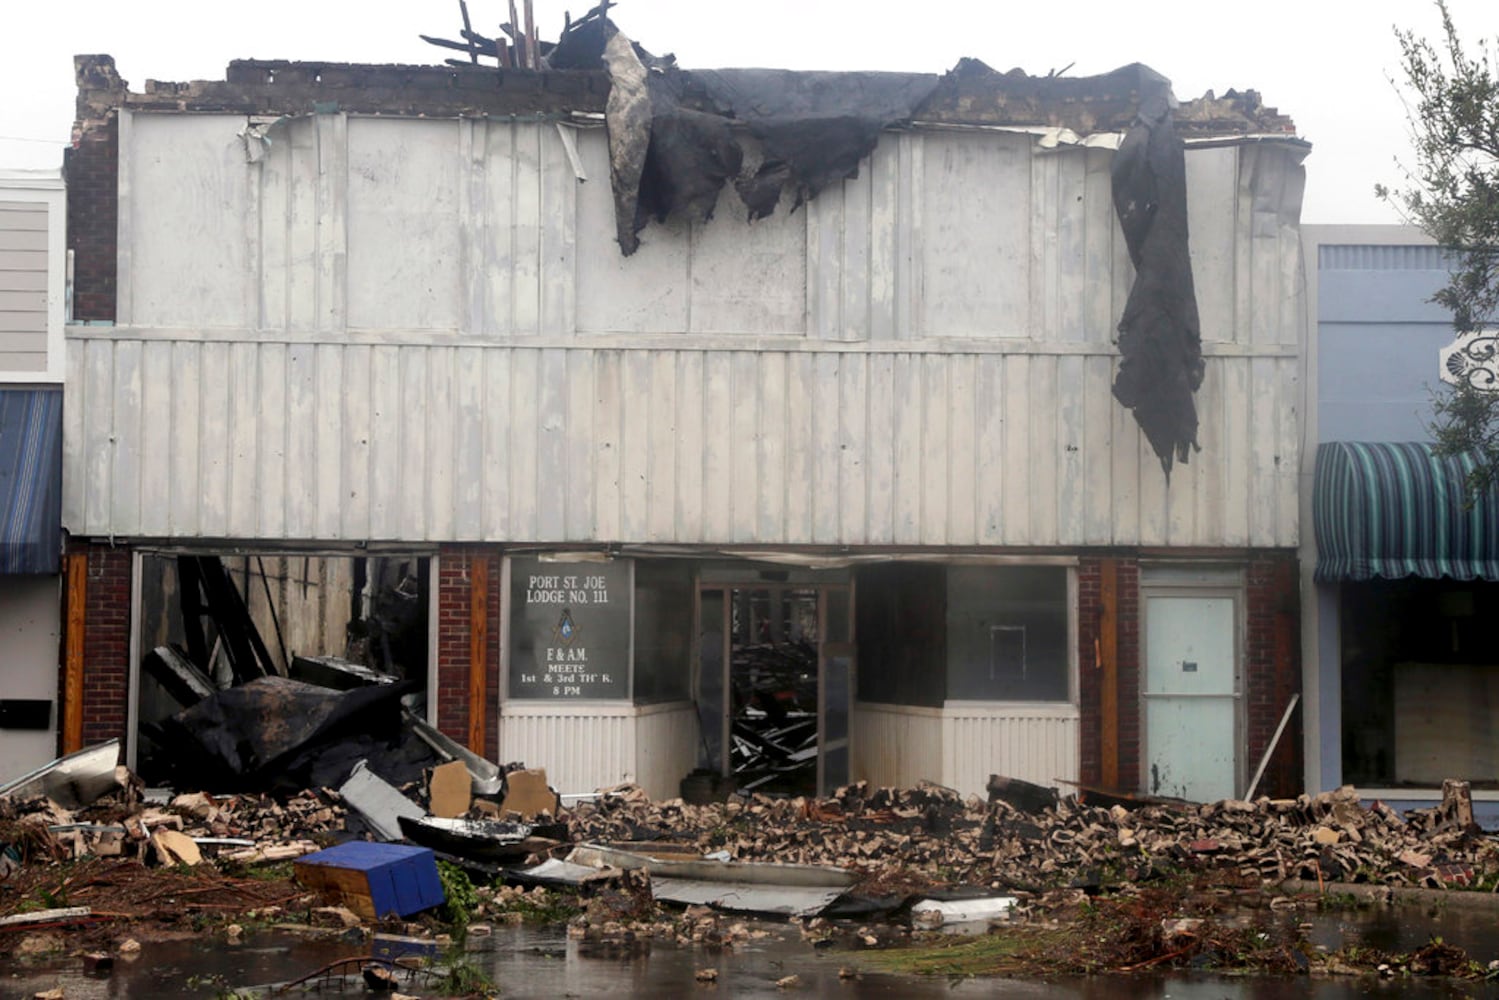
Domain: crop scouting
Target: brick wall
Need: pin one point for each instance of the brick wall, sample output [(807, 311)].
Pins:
[(1090, 692), (92, 169), (454, 614), (1272, 670), (106, 641)]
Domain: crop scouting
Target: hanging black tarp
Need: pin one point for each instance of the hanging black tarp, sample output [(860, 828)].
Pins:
[(1160, 341)]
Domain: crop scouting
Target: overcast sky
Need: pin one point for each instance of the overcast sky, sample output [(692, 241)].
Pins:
[(1327, 63)]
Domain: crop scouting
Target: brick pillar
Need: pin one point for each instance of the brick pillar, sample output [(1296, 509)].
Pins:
[(455, 605), (1127, 655), (105, 688), (1272, 671), (92, 170), (1089, 693)]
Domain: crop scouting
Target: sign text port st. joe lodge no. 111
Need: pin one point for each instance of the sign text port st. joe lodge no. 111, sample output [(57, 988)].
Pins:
[(571, 629)]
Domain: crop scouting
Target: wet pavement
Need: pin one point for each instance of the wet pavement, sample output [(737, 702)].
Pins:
[(542, 963)]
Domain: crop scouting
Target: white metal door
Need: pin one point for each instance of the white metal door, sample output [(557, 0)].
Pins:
[(1191, 696)]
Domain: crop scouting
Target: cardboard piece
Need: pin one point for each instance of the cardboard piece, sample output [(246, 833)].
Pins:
[(527, 794), (450, 789), (174, 848)]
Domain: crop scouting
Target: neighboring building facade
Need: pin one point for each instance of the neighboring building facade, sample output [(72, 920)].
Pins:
[(857, 464), (1398, 576), (32, 300)]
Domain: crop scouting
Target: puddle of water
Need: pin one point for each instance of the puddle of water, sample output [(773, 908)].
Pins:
[(542, 963)]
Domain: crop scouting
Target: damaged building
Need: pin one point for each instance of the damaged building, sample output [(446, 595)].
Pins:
[(769, 429)]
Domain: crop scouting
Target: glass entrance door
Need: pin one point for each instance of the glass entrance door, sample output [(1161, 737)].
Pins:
[(775, 674)]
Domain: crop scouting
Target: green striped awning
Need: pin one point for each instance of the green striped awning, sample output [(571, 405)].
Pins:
[(1398, 510)]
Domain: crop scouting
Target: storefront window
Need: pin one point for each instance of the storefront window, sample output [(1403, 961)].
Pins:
[(1420, 683), (1007, 633)]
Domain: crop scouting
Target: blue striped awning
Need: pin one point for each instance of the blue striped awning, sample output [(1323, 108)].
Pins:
[(1398, 510), (30, 480)]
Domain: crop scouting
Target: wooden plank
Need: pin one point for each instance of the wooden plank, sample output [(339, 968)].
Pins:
[(745, 423), (558, 236), (1097, 451), (1069, 467), (635, 445), (907, 485), (853, 448), (300, 484), (331, 437), (414, 462), (879, 453), (771, 445), (385, 442), (825, 415), (244, 405), (854, 264), (356, 414), (1045, 450), (440, 418), (990, 473), (661, 503), (552, 486), (608, 418), (72, 683), (525, 304), (579, 453), (800, 385), (690, 444), (494, 513), (883, 169), (271, 464), (525, 369), (125, 498), (478, 652), (332, 202), (962, 471), (1015, 395), (158, 417), (1108, 667)]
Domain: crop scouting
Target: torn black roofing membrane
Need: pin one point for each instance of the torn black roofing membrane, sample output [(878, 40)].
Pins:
[(677, 136)]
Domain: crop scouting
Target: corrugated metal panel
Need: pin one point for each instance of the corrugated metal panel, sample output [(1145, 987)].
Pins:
[(894, 745), (581, 747), (432, 443), (1037, 743)]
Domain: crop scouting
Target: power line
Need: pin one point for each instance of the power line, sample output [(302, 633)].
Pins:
[(22, 138)]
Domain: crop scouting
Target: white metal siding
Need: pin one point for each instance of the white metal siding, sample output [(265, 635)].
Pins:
[(1037, 743), (435, 443), (582, 747), (424, 331)]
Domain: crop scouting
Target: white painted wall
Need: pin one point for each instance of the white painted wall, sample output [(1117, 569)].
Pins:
[(30, 632), (422, 330)]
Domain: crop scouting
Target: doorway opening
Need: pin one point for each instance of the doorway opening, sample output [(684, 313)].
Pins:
[(775, 684)]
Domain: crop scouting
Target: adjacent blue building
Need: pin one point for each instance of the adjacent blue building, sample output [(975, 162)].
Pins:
[(1398, 566)]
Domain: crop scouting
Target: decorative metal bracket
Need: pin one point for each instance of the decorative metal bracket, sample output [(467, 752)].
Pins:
[(1472, 360)]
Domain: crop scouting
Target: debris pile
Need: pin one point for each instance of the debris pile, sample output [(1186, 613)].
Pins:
[(931, 835)]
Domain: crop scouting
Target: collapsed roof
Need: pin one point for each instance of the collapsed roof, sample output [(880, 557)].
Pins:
[(677, 136)]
